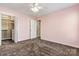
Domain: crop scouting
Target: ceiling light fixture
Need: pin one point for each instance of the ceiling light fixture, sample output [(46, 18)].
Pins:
[(36, 7)]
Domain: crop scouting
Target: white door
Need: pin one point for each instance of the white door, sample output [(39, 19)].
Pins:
[(33, 28)]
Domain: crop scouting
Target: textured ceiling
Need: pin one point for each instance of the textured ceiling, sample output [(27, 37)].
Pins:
[(47, 7)]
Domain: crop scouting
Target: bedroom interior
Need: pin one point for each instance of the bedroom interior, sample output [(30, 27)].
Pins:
[(41, 29)]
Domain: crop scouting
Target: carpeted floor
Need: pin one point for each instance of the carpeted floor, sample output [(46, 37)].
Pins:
[(36, 47), (21, 48), (7, 42)]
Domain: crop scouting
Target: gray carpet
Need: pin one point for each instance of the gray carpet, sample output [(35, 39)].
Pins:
[(36, 47), (7, 42), (16, 49)]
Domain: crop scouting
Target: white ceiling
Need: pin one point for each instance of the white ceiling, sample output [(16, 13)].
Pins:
[(47, 7)]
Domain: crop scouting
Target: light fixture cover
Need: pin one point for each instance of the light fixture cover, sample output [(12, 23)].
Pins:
[(36, 7)]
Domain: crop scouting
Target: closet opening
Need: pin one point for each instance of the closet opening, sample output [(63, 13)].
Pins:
[(35, 29), (7, 25)]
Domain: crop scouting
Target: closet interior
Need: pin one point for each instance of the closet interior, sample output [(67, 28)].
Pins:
[(7, 28)]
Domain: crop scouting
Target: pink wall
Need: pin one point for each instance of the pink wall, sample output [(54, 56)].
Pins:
[(61, 26), (21, 23)]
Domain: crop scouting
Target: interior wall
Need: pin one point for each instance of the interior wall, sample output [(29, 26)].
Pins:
[(21, 23), (61, 26)]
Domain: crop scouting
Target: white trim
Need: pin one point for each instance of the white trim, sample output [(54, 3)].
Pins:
[(15, 30), (0, 30)]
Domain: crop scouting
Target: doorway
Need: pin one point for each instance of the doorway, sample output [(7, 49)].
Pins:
[(33, 29), (7, 25)]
